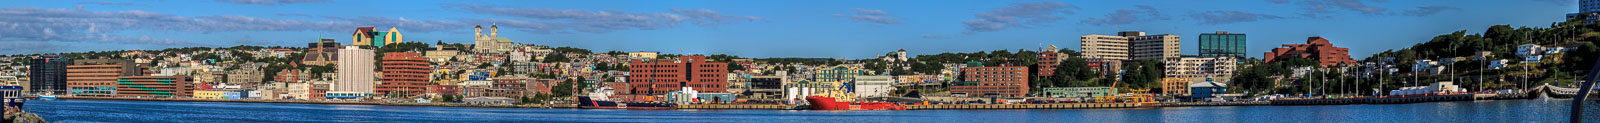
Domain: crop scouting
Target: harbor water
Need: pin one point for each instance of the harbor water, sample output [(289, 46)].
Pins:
[(1502, 111)]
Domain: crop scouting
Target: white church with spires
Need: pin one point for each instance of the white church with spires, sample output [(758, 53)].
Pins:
[(491, 43)]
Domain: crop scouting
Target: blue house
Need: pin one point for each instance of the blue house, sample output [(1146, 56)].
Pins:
[(1207, 89)]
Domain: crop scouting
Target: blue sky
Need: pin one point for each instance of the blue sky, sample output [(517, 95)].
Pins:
[(812, 28)]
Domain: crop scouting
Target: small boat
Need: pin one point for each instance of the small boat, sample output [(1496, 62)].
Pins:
[(47, 96), (828, 103)]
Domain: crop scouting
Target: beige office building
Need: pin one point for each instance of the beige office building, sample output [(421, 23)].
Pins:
[(1130, 45), (1220, 68)]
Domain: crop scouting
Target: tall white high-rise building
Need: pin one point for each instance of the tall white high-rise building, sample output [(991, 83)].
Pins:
[(355, 74), (1130, 45)]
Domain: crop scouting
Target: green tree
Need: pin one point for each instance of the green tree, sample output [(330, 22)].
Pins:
[(317, 70), (1074, 72), (554, 58), (602, 67), (735, 67), (1142, 74), (524, 100), (415, 47), (924, 67), (571, 50), (562, 89)]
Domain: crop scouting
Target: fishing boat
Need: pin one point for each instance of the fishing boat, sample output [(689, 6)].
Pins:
[(829, 103), (47, 96), (601, 99)]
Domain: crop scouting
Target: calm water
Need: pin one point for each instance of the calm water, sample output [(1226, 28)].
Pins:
[(153, 111)]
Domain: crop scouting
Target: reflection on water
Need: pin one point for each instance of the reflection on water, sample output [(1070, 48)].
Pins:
[(155, 111), (352, 107)]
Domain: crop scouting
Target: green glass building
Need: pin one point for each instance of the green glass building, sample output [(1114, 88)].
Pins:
[(1222, 44)]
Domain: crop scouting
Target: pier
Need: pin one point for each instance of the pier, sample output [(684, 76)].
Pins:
[(1029, 106), (1418, 99), (1193, 104), (739, 106)]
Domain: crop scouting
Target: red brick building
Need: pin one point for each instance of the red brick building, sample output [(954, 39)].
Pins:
[(404, 74), (541, 86), (620, 87), (1002, 80), (665, 75), (319, 90), (1048, 60), (1315, 48), (451, 90), (292, 76), (500, 87), (1104, 66)]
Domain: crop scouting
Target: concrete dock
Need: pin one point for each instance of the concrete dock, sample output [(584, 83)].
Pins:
[(739, 106), (1029, 106), (1195, 104), (1418, 99)]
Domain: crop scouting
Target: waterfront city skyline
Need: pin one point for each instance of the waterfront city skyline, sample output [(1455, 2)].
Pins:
[(755, 28), (806, 61)]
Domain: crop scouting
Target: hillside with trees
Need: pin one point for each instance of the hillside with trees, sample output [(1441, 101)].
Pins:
[(1501, 42)]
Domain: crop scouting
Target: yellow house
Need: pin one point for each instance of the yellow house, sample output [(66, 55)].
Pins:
[(209, 94), (392, 36)]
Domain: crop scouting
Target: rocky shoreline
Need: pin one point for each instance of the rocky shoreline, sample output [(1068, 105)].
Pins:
[(16, 115)]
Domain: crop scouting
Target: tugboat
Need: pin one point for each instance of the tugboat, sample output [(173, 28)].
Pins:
[(828, 103), (601, 99)]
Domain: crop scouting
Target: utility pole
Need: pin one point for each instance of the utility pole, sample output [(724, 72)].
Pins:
[(1525, 65)]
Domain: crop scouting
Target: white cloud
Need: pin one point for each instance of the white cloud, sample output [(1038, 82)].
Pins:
[(1020, 15)]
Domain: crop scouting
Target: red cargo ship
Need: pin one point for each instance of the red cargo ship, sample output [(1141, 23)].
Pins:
[(828, 103)]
